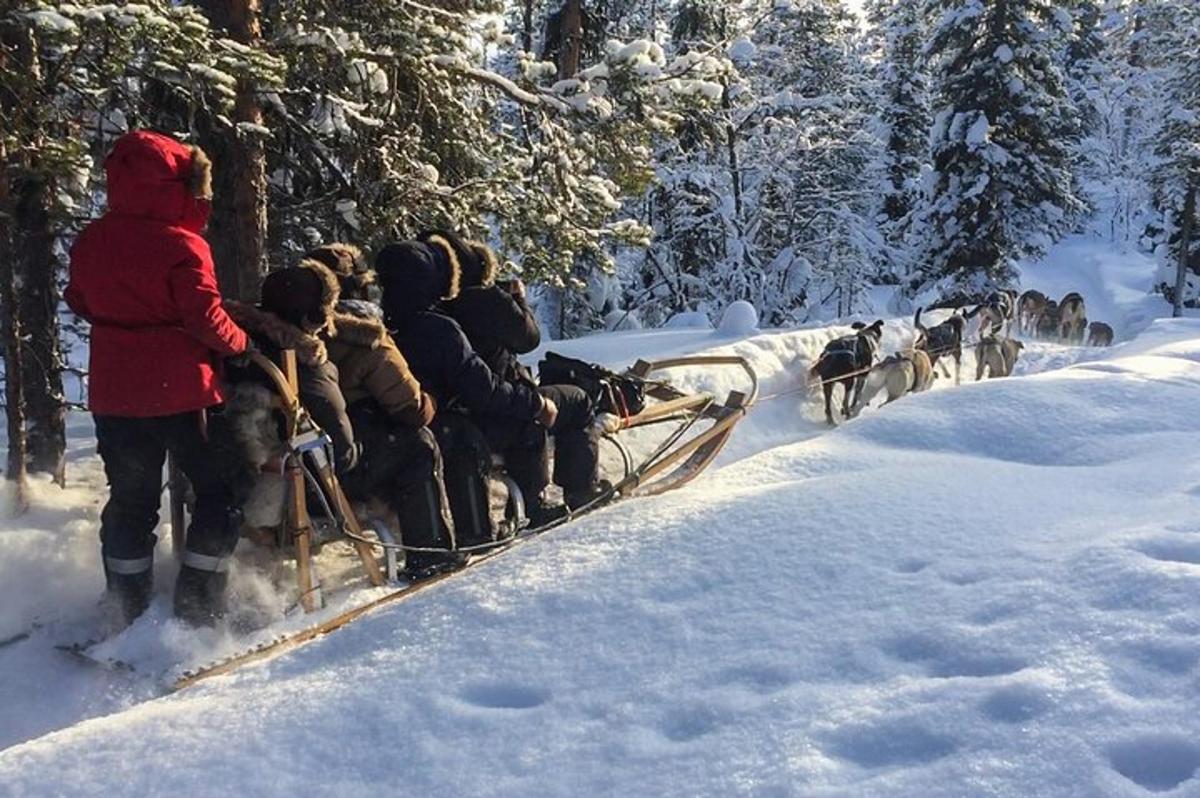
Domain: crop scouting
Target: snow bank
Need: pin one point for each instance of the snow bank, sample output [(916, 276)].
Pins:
[(984, 590)]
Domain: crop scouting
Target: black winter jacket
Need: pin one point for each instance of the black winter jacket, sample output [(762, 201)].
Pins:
[(499, 326), (443, 361)]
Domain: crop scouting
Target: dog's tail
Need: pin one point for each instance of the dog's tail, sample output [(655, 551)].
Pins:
[(917, 320)]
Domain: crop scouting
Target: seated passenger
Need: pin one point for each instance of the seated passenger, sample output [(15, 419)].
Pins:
[(296, 309), (496, 319), (415, 276), (400, 460), (500, 325)]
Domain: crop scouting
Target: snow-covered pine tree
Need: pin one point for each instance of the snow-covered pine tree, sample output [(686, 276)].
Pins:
[(75, 76), (901, 28), (811, 242), (1001, 186), (1176, 177), (1086, 69)]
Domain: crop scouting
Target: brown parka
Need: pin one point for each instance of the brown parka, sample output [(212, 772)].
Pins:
[(371, 367)]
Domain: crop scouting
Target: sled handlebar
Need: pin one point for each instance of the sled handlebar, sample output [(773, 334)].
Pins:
[(643, 368), (287, 397)]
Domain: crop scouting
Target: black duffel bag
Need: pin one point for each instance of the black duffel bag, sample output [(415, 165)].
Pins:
[(619, 394)]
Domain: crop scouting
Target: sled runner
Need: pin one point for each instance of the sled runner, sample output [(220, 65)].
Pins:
[(703, 426)]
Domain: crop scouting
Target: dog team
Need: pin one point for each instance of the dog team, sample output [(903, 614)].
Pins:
[(849, 361)]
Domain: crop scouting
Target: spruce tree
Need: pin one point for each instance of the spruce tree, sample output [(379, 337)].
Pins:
[(1002, 185), (1176, 177), (904, 106)]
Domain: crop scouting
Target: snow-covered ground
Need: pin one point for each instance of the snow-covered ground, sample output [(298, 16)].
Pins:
[(985, 590)]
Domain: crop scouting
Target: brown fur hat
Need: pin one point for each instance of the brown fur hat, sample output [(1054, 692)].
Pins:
[(347, 263), (303, 295), (453, 264)]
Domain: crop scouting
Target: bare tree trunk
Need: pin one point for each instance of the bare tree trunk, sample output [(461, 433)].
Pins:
[(527, 29), (571, 38), (735, 172), (37, 312), (14, 396), (237, 231), (31, 280), (1185, 246)]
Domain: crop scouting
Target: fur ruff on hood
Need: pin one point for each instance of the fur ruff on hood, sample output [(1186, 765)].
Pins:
[(447, 249), (257, 322), (489, 264), (359, 330)]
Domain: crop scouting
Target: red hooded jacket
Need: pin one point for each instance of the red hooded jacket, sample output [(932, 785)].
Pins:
[(143, 276)]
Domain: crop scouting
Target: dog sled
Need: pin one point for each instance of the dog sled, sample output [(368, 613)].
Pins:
[(317, 512)]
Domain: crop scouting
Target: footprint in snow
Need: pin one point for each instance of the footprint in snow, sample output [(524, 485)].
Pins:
[(1171, 658), (504, 696), (1015, 703), (761, 679), (686, 723), (1167, 550), (890, 742), (945, 660), (996, 613), (1157, 762), (912, 566)]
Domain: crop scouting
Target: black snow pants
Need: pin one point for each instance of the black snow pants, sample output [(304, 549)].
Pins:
[(401, 465), (576, 445), (134, 451)]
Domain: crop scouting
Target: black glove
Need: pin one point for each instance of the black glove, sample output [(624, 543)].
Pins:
[(242, 359)]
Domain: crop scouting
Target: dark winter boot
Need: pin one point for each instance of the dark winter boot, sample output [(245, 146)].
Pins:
[(581, 498), (200, 596), (126, 597), (422, 564), (543, 513)]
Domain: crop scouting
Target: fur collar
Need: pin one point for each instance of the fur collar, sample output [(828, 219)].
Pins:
[(258, 322), (359, 330), (447, 250)]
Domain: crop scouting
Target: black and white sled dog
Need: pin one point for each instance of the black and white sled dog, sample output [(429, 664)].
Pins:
[(944, 340), (846, 361)]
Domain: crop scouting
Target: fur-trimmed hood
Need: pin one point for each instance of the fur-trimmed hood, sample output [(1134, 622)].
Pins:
[(359, 330), (415, 275), (260, 323), (154, 176), (478, 264)]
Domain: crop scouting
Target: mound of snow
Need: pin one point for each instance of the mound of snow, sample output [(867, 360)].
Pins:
[(740, 318), (689, 320)]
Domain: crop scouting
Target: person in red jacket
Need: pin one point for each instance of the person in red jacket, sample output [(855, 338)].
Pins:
[(143, 276)]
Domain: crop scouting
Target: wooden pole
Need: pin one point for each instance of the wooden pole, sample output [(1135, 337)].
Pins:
[(299, 524)]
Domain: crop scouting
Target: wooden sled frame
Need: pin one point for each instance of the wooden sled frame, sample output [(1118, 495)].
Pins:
[(670, 467), (297, 523), (679, 464)]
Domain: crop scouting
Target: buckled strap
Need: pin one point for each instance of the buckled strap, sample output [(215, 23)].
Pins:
[(116, 565), (205, 562)]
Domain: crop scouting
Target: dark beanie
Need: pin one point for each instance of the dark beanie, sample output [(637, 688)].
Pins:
[(347, 263), (302, 295)]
